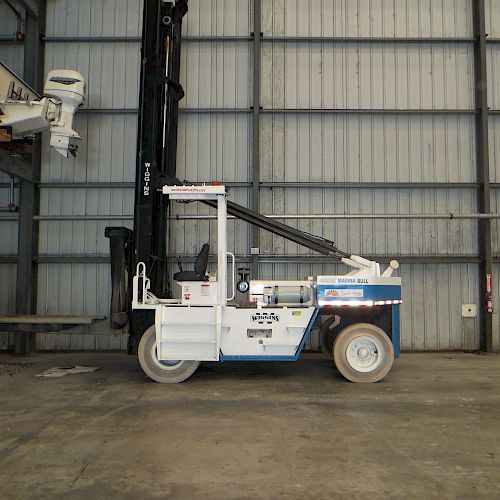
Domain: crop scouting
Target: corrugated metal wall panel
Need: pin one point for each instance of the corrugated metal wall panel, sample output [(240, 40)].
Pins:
[(494, 144), (492, 18), (124, 18), (74, 18), (493, 61), (11, 54), (106, 152), (214, 147), (361, 148), (219, 75), (79, 289), (8, 288), (218, 17), (496, 305), (431, 312), (377, 237), (294, 148), (360, 75), (111, 70), (376, 148), (8, 230), (9, 25), (495, 223), (388, 18)]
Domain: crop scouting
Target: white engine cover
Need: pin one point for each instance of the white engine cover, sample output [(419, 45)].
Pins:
[(272, 331), (201, 333)]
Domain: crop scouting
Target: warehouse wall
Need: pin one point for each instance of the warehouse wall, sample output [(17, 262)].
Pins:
[(493, 61), (424, 152), (12, 55)]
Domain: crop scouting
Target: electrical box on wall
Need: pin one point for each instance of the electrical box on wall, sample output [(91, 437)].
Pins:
[(469, 310)]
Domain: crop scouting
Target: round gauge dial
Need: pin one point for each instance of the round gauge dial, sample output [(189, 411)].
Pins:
[(243, 286)]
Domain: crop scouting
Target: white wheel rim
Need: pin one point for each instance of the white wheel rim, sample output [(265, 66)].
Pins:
[(164, 365), (364, 353)]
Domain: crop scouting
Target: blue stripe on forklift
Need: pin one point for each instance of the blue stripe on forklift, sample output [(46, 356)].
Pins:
[(370, 292)]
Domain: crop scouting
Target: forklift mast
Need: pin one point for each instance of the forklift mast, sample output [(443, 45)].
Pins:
[(160, 93), (157, 134)]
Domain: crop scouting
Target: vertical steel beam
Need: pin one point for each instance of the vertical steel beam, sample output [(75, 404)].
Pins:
[(257, 37), (483, 175), (29, 196)]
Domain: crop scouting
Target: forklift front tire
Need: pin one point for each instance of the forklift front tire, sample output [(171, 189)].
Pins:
[(363, 353), (164, 372)]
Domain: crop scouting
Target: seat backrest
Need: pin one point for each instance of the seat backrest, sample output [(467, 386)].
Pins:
[(201, 264)]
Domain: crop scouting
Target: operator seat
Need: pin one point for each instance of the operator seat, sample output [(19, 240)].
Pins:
[(200, 267)]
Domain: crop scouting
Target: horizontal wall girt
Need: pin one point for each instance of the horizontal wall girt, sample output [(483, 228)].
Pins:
[(264, 258), (272, 185), (339, 111), (8, 38), (380, 216), (306, 111), (273, 39)]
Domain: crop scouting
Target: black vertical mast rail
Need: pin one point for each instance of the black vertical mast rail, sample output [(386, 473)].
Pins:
[(160, 93), (157, 137), (157, 144)]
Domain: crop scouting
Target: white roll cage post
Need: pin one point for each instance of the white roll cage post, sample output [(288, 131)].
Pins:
[(146, 300)]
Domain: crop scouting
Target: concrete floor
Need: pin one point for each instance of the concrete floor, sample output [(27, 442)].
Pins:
[(241, 430)]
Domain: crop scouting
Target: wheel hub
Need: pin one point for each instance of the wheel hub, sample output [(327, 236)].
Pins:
[(364, 353)]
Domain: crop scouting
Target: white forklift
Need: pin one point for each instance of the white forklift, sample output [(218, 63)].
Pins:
[(176, 322), (203, 322)]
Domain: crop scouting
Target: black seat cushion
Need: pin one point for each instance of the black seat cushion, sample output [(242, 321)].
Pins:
[(189, 276), (200, 267)]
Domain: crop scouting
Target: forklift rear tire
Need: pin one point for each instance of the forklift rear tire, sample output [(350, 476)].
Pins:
[(363, 353), (164, 372)]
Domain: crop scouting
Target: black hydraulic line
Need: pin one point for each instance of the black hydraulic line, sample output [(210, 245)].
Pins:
[(320, 245)]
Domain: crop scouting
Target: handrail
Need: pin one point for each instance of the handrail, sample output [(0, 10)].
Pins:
[(233, 279)]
